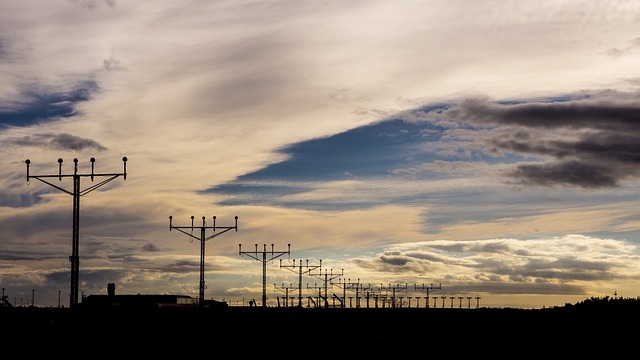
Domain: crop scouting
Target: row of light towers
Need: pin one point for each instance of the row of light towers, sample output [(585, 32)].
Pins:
[(381, 296), (264, 256), (346, 284), (77, 192), (4, 301)]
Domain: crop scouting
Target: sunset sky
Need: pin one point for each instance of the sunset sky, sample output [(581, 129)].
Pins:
[(489, 146)]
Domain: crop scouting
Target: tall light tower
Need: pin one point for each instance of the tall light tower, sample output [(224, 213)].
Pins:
[(431, 287), (254, 254), (76, 193), (300, 272), (202, 239), (327, 280)]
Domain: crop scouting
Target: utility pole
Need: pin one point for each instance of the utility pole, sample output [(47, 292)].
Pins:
[(76, 193), (202, 239), (254, 255)]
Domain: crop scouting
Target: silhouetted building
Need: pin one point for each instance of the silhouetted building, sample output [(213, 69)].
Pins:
[(144, 301)]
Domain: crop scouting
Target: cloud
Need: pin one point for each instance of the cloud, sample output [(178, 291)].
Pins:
[(586, 141), (554, 264), (35, 104), (56, 142), (616, 52), (92, 4)]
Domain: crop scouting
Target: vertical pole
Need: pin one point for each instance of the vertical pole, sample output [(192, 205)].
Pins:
[(75, 258), (344, 294), (264, 276), (202, 239), (300, 285), (326, 299), (427, 303)]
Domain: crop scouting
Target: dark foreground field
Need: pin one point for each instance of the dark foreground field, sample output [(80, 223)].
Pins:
[(593, 329)]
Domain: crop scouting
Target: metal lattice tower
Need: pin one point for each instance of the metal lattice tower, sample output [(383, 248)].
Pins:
[(203, 238), (254, 255), (300, 272), (76, 193)]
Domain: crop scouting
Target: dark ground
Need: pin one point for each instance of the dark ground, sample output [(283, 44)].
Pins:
[(590, 329)]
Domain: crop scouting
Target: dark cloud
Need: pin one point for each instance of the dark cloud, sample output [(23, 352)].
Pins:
[(3, 49), (616, 52), (599, 111), (39, 103), (150, 248), (18, 200), (111, 64), (93, 4), (569, 172), (590, 141), (58, 142)]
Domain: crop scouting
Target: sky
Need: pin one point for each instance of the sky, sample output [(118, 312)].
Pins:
[(483, 149)]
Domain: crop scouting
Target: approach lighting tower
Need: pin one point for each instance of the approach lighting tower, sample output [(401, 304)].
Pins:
[(394, 290), (202, 239), (328, 278), (76, 193), (300, 272), (254, 255), (427, 288)]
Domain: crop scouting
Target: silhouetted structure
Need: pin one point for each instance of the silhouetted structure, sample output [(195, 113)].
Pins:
[(300, 272), (202, 240), (77, 192), (274, 255), (140, 301)]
